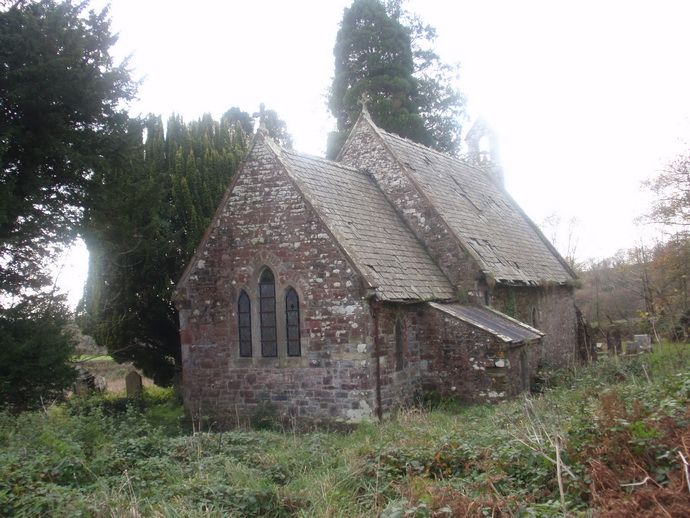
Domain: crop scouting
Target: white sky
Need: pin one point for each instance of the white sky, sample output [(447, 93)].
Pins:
[(588, 98)]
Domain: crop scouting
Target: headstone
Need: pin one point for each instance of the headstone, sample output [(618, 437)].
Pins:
[(632, 348), (601, 349), (84, 383), (644, 342), (133, 384), (100, 383)]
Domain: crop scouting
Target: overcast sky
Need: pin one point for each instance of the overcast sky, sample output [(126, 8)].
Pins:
[(588, 98)]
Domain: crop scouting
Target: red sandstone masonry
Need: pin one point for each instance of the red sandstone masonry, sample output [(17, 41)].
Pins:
[(451, 358), (266, 222)]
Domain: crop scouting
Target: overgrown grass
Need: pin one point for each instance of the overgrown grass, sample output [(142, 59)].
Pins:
[(618, 422)]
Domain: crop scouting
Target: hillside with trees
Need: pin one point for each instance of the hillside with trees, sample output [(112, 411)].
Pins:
[(645, 289)]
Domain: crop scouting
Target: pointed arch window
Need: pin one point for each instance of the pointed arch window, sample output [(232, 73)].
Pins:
[(244, 324), (292, 322), (399, 358), (267, 313)]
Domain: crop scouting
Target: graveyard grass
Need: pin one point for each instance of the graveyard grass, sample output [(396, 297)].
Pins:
[(608, 439)]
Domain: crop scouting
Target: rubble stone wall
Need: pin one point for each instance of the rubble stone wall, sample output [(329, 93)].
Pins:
[(265, 222), (551, 309)]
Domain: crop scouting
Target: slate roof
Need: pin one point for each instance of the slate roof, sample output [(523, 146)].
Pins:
[(367, 227), (482, 215), (500, 325)]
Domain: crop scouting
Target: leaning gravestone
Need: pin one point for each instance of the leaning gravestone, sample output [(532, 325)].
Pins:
[(100, 383), (133, 384)]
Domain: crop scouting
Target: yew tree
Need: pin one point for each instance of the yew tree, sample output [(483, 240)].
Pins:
[(61, 96), (61, 122)]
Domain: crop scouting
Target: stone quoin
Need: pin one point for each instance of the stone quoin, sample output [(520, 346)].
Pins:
[(342, 290)]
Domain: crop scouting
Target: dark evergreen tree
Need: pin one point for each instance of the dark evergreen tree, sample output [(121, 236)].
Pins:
[(60, 117), (60, 125), (143, 225), (385, 54), (35, 353)]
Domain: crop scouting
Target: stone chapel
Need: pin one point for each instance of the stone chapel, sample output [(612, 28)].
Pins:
[(342, 290)]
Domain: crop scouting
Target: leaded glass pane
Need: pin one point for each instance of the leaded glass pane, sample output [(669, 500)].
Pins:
[(293, 348), (267, 277), (244, 324), (267, 305), (293, 333), (292, 318), (292, 322), (243, 303), (268, 348), (268, 333)]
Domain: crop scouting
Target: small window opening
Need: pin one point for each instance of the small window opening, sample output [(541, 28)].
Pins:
[(292, 322), (267, 312), (244, 324)]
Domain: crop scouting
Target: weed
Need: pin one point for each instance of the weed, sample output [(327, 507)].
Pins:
[(604, 439)]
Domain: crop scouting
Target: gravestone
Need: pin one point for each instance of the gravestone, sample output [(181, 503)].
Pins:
[(644, 342), (100, 383), (601, 349), (133, 384), (84, 384), (632, 348)]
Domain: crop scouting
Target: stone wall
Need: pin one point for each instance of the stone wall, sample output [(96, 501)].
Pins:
[(365, 150), (448, 357), (463, 361), (550, 309), (265, 222)]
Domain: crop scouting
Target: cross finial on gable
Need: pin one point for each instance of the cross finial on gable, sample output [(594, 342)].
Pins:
[(363, 101), (261, 114)]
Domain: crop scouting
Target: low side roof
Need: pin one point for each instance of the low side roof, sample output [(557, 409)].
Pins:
[(483, 216), (500, 325), (368, 228)]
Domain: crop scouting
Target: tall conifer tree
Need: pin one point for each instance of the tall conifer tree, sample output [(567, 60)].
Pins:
[(384, 52), (143, 225)]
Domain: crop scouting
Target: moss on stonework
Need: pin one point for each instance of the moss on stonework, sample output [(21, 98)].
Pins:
[(511, 305)]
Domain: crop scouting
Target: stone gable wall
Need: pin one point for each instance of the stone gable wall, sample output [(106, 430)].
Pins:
[(265, 222), (366, 151), (551, 310)]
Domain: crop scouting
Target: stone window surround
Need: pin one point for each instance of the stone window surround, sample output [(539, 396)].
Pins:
[(281, 289)]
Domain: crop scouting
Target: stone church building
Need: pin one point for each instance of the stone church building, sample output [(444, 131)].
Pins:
[(339, 291)]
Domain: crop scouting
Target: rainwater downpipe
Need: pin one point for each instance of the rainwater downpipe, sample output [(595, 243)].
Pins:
[(377, 352)]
